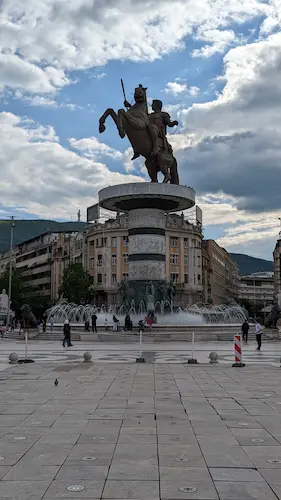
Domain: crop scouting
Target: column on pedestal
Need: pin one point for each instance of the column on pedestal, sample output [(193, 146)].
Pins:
[(147, 245)]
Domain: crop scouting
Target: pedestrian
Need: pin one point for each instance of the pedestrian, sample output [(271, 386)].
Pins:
[(149, 322), (3, 330), (245, 331), (52, 324), (115, 323), (127, 323), (105, 325), (87, 326), (67, 334), (94, 322), (258, 332)]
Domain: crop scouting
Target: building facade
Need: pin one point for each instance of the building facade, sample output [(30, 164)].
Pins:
[(221, 274), (68, 248), (42, 260), (107, 258), (277, 266), (257, 288)]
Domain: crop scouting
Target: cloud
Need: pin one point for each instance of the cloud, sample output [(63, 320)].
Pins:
[(45, 178), (80, 34), (176, 88), (17, 73), (233, 144), (218, 41), (91, 147)]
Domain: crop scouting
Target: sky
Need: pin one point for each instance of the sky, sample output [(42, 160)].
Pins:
[(215, 64)]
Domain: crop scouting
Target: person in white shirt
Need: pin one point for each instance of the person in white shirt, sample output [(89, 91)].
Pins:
[(258, 332)]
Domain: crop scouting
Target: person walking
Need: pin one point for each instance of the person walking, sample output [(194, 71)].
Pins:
[(258, 332), (67, 334), (245, 331), (94, 323)]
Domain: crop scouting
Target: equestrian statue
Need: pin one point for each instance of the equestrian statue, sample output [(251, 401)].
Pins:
[(147, 134)]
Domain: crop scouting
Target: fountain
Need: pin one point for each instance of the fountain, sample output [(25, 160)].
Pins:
[(196, 314)]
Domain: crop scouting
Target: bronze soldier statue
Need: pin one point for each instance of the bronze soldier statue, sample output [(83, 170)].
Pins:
[(147, 134)]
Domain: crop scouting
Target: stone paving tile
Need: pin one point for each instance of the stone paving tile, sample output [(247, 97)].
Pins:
[(92, 489), (236, 475), (140, 469), (172, 479), (260, 456), (146, 490), (244, 490), (31, 473), (23, 490), (78, 472)]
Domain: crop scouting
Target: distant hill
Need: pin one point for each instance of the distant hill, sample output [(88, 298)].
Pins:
[(249, 265), (28, 229)]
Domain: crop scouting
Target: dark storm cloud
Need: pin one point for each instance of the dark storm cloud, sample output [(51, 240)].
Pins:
[(246, 166)]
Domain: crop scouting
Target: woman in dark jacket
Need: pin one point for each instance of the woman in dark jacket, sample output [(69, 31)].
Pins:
[(66, 332)]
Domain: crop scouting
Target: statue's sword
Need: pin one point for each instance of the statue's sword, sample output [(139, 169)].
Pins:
[(123, 89)]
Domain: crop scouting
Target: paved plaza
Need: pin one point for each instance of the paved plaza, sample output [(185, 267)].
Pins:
[(112, 430)]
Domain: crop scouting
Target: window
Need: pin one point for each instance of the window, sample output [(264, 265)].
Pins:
[(113, 242), (174, 258), (91, 263), (186, 278), (199, 278), (125, 276), (198, 261), (99, 260), (92, 243), (114, 259), (174, 242), (194, 279), (125, 258), (186, 260), (114, 297), (113, 278), (125, 240), (174, 277), (193, 260), (99, 278), (185, 242)]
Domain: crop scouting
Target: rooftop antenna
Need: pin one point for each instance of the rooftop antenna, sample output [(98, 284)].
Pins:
[(79, 215)]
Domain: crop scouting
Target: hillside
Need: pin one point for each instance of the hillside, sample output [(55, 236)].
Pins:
[(28, 229), (249, 265)]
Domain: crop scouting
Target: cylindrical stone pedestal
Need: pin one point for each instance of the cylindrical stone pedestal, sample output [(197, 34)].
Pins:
[(147, 244), (147, 205)]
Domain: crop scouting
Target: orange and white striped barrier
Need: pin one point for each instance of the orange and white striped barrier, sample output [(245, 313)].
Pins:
[(238, 352)]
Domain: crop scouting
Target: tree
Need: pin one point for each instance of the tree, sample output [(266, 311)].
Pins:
[(75, 284)]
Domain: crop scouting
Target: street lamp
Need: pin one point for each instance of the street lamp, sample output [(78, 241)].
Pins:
[(10, 270)]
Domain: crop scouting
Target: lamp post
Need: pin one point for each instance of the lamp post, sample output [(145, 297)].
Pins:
[(10, 270)]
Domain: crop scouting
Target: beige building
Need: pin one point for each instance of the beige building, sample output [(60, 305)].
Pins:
[(221, 274), (257, 288), (43, 259), (107, 258), (68, 248), (34, 259)]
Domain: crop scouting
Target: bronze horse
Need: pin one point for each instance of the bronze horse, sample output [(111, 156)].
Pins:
[(144, 137)]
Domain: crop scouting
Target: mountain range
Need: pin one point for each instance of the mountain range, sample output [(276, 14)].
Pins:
[(249, 265)]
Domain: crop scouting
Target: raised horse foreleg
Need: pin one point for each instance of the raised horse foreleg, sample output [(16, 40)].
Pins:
[(108, 112)]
